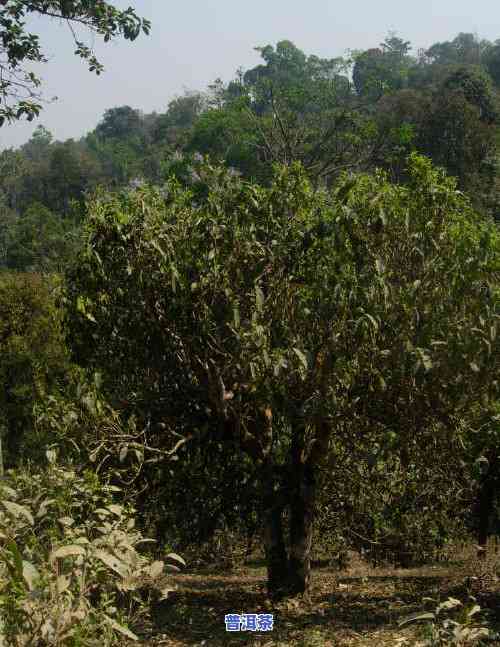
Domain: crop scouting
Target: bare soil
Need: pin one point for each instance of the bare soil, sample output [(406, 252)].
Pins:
[(360, 606)]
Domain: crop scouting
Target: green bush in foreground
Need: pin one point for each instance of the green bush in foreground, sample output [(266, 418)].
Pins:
[(71, 572)]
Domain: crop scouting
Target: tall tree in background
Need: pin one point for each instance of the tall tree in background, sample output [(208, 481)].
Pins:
[(19, 89), (292, 108), (384, 69)]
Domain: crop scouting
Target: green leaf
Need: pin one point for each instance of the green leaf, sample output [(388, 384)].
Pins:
[(63, 582), (156, 569), (474, 610), (172, 568), (236, 317), (72, 550), (66, 521), (51, 455), (116, 509), (372, 320), (419, 615), (259, 298), (17, 511), (121, 629), (43, 507), (176, 558), (112, 562), (17, 558), (450, 603), (9, 491), (302, 357), (30, 574)]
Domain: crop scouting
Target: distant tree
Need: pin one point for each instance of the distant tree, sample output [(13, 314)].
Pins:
[(14, 168), (8, 220), (453, 122), (399, 117), (33, 356), (455, 136), (491, 61), (66, 178), (172, 127), (465, 49), (229, 134), (380, 70), (37, 147), (38, 241), (120, 123), (476, 87), (20, 48), (292, 108)]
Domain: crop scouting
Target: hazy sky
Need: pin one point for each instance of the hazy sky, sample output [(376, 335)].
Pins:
[(195, 41)]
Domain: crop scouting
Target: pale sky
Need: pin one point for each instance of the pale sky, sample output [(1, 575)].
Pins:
[(193, 42)]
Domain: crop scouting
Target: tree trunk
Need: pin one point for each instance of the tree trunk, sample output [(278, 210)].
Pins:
[(302, 504), (485, 502), (301, 527), (276, 557), (291, 575)]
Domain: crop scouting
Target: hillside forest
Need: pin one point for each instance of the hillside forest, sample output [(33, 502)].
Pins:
[(258, 328)]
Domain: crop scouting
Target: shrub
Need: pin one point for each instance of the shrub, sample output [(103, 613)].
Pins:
[(451, 623), (71, 572)]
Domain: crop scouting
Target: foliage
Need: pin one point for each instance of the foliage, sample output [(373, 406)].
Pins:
[(392, 512), (39, 241), (293, 108), (264, 317), (19, 88), (443, 629), (71, 570), (384, 69), (33, 356), (465, 48)]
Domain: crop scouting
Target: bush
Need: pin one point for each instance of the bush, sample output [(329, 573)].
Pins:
[(34, 360), (451, 623), (71, 572)]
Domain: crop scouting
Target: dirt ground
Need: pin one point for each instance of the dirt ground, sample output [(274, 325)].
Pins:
[(357, 607)]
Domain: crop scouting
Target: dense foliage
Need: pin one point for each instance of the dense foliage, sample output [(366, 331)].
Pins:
[(35, 361), (279, 320), (71, 570), (292, 107)]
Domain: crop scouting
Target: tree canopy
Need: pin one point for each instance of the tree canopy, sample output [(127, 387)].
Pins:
[(283, 319)]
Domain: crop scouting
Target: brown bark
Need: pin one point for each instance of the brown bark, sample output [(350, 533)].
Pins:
[(302, 504), (276, 556), (486, 499), (301, 526), (289, 575)]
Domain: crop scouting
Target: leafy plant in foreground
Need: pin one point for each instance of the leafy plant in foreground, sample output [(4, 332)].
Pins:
[(70, 568), (451, 623)]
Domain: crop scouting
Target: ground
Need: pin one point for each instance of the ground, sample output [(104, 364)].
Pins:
[(358, 607)]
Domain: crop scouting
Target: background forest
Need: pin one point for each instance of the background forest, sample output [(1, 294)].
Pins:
[(261, 324), (369, 111)]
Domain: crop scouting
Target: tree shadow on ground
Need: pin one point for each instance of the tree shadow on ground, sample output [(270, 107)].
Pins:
[(339, 605)]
